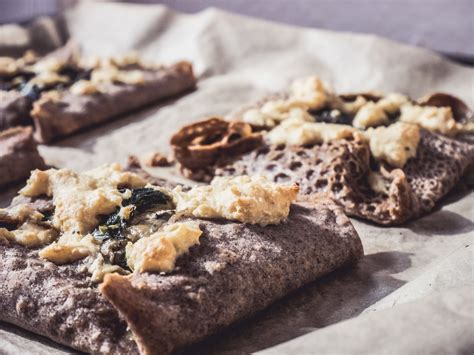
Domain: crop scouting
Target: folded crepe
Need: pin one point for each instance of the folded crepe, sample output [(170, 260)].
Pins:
[(236, 270), (341, 169), (64, 92), (59, 116), (14, 109), (384, 158), (18, 154)]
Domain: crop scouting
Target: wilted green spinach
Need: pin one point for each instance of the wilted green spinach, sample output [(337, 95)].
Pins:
[(143, 199)]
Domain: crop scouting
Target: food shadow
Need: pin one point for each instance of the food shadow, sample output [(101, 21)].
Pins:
[(340, 295)]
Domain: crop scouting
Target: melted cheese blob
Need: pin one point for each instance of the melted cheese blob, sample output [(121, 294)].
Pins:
[(30, 233), (309, 91), (159, 251), (248, 199), (70, 248), (436, 119), (300, 132), (370, 115), (80, 199), (394, 144), (305, 94)]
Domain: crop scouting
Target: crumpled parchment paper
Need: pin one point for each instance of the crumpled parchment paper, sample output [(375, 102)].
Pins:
[(414, 290)]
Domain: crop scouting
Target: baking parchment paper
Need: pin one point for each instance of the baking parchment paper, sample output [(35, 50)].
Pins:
[(414, 290)]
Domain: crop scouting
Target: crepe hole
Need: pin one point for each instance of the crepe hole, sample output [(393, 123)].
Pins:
[(309, 173), (302, 154), (321, 183), (234, 137), (263, 151), (295, 165), (370, 208), (319, 161), (307, 190), (336, 187), (277, 156), (337, 169), (271, 167), (212, 139), (282, 177)]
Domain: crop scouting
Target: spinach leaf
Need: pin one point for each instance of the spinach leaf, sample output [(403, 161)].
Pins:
[(143, 199)]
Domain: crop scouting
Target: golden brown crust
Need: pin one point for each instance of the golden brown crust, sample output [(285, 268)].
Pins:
[(200, 146)]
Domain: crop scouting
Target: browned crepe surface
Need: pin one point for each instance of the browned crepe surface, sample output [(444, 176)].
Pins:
[(236, 271), (18, 154), (341, 169), (55, 118)]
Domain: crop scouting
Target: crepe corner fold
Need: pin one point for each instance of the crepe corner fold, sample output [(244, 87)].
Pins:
[(236, 270)]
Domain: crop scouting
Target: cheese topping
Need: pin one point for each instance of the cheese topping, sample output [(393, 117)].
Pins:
[(51, 65), (373, 114), (392, 102), (48, 78), (299, 132), (159, 251), (309, 91), (83, 87), (23, 213), (437, 119), (119, 61), (107, 75), (377, 183), (6, 235), (10, 65), (306, 94), (31, 232), (98, 268), (69, 248), (32, 235), (94, 213), (271, 119), (248, 199), (370, 115), (349, 107), (394, 144), (81, 198)]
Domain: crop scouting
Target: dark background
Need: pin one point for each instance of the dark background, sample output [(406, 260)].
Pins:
[(446, 26)]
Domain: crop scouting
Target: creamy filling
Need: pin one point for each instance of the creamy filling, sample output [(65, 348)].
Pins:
[(312, 114), (247, 199), (306, 94), (394, 144), (83, 76), (436, 119), (158, 252), (118, 223), (300, 132)]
